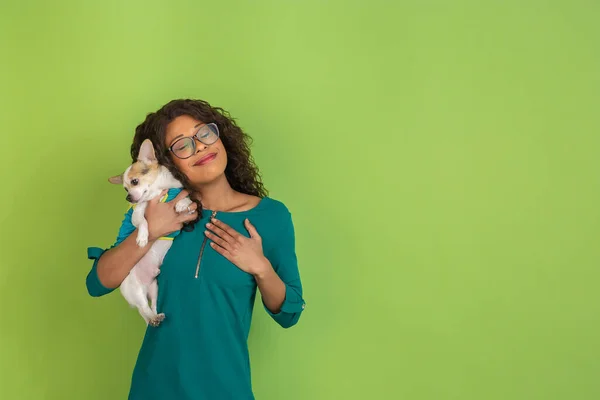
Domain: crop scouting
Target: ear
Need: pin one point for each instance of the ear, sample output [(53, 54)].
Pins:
[(117, 179), (147, 152)]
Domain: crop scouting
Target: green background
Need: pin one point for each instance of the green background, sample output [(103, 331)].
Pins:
[(439, 158)]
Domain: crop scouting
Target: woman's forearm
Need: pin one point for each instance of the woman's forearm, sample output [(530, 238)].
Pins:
[(115, 264), (271, 287)]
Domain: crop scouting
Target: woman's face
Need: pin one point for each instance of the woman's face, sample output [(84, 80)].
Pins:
[(207, 162)]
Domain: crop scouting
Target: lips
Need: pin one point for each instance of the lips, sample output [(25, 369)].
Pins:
[(206, 159)]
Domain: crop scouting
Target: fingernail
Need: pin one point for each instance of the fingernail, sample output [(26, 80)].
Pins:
[(208, 224)]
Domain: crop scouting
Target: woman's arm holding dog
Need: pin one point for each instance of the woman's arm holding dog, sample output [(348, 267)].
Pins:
[(115, 264)]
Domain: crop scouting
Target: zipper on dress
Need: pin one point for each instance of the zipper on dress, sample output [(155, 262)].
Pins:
[(214, 214)]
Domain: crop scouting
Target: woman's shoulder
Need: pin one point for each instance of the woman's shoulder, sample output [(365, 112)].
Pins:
[(274, 207), (275, 225), (273, 215)]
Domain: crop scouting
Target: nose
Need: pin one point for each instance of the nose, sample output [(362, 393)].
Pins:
[(129, 198), (200, 147)]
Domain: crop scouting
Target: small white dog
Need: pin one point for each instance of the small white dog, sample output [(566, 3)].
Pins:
[(144, 180)]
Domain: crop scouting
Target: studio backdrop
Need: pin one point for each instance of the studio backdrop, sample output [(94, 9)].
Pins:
[(439, 158)]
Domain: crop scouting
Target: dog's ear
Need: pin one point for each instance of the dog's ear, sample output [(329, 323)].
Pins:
[(146, 154), (117, 179)]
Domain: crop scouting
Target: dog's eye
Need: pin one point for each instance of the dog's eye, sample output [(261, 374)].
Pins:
[(134, 182)]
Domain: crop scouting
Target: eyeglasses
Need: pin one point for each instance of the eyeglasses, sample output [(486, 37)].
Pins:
[(186, 146)]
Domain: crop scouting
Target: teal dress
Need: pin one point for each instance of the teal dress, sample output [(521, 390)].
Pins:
[(200, 352)]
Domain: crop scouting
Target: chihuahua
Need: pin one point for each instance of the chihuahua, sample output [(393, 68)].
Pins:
[(144, 180)]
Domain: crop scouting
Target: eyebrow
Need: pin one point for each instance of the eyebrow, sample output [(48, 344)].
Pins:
[(181, 135)]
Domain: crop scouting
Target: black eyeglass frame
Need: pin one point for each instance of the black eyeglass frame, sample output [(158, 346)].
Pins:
[(195, 137)]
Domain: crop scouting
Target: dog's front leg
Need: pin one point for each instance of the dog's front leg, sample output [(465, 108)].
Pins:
[(138, 220), (183, 204)]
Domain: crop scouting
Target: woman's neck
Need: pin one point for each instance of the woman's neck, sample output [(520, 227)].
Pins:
[(217, 195)]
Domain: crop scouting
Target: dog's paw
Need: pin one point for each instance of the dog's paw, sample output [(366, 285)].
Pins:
[(142, 235), (157, 320), (183, 205), (142, 241)]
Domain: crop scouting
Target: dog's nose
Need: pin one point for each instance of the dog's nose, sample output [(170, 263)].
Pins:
[(128, 198)]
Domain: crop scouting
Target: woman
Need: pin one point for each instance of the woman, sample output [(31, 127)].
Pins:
[(234, 240)]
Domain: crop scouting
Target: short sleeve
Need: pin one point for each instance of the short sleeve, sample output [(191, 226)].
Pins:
[(285, 264)]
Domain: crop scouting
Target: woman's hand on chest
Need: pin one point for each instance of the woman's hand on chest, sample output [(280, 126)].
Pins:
[(244, 252)]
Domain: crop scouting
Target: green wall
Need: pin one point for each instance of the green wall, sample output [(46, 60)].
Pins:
[(440, 160)]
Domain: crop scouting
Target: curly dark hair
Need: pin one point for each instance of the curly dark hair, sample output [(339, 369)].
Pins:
[(241, 171)]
